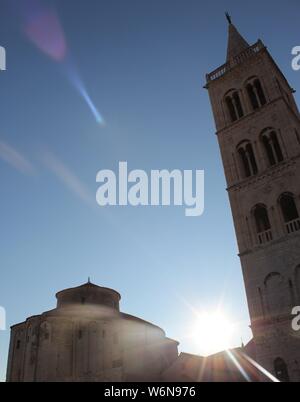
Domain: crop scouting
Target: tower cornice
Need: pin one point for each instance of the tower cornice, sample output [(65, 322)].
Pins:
[(268, 173), (262, 247), (234, 62), (262, 110)]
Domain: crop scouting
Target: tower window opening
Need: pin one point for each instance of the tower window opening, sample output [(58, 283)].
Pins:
[(249, 150), (252, 97), (245, 162), (278, 294), (247, 158), (238, 104), (18, 345), (281, 370), (231, 109), (263, 226), (256, 93), (290, 212), (272, 147), (260, 92), (234, 106)]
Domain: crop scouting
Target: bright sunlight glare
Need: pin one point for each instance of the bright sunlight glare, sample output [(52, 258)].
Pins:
[(212, 333)]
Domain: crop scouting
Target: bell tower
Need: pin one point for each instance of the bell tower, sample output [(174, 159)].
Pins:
[(258, 129)]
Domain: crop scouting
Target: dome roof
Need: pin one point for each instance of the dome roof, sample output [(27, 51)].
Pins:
[(88, 294)]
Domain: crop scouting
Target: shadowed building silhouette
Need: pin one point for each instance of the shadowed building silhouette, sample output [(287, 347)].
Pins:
[(87, 339), (258, 128)]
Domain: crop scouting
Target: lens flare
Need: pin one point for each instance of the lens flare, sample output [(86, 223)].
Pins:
[(76, 82), (44, 30), (260, 368), (238, 365), (42, 26), (212, 332)]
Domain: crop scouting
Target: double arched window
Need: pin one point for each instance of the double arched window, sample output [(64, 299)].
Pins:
[(290, 218), (234, 105), (255, 93), (289, 212), (247, 159), (262, 224), (272, 150), (272, 147)]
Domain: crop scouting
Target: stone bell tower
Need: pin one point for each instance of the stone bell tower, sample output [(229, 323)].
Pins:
[(258, 129)]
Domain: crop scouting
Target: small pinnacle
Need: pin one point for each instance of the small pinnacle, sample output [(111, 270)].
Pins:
[(228, 17)]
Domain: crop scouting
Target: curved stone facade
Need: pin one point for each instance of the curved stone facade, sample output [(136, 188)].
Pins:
[(87, 338)]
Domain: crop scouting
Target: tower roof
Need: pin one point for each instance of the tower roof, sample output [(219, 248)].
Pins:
[(236, 43)]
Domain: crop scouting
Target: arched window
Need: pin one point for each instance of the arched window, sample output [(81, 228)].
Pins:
[(281, 370), (231, 108), (278, 294), (238, 104), (250, 153), (247, 159), (234, 105), (252, 97), (272, 147), (262, 223), (289, 212), (260, 92), (256, 93), (244, 162)]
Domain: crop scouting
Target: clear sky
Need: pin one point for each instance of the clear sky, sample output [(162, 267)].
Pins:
[(143, 64)]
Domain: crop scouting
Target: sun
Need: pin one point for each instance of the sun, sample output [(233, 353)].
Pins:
[(212, 332)]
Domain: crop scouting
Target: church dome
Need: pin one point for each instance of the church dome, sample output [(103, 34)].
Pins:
[(87, 339), (88, 294)]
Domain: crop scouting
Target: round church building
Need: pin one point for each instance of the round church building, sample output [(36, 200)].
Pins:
[(87, 338)]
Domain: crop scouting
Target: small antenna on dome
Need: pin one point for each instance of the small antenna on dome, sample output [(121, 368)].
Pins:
[(228, 17), (89, 279)]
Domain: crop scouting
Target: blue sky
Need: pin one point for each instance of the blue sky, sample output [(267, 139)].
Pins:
[(143, 64)]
